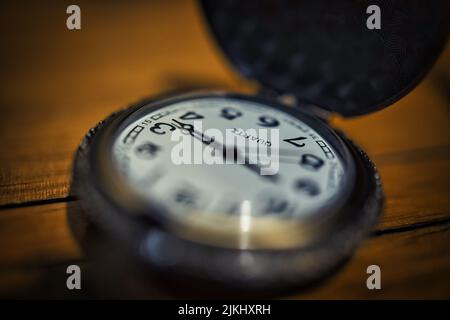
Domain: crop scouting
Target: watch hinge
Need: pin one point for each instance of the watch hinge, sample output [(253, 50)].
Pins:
[(292, 101), (316, 111)]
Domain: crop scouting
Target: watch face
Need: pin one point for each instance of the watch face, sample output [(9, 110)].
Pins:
[(231, 171)]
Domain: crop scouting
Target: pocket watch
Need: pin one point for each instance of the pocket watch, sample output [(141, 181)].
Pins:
[(225, 221)]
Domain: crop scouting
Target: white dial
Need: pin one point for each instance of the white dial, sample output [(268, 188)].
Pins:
[(157, 160)]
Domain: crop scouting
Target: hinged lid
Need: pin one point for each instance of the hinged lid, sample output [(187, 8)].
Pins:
[(324, 53)]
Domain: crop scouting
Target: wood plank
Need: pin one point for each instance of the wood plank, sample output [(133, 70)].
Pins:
[(414, 264), (75, 79), (407, 179), (21, 244), (409, 203), (37, 235), (38, 163), (416, 185)]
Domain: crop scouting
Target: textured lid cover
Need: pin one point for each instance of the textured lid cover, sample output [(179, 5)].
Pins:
[(322, 51)]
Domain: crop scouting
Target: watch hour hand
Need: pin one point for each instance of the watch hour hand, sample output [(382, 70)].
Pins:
[(226, 151)]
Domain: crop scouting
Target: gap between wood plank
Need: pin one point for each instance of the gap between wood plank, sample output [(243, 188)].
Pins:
[(36, 203), (375, 233), (411, 227), (440, 150)]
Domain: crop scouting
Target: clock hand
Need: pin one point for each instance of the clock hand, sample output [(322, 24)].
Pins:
[(254, 166), (281, 152), (200, 136), (283, 158), (226, 151)]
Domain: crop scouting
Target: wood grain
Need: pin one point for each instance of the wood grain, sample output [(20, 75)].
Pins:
[(82, 77), (55, 84), (420, 204), (414, 262), (414, 265)]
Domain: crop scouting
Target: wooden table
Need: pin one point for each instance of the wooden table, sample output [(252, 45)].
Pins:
[(56, 84)]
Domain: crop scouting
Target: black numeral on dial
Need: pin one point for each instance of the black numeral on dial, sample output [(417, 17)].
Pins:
[(191, 116), (185, 197), (230, 113), (275, 205), (184, 126), (307, 186), (294, 141), (266, 121), (147, 150), (158, 128), (311, 162)]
